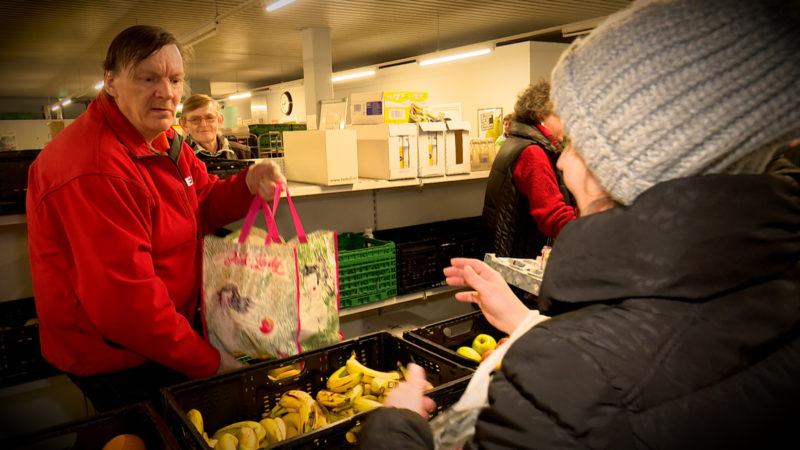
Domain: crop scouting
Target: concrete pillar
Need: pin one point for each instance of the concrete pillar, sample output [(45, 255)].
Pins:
[(317, 71)]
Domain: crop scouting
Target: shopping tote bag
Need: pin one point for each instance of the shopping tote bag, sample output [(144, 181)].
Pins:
[(274, 299)]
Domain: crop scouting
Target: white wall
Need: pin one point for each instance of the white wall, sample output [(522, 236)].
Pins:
[(30, 134)]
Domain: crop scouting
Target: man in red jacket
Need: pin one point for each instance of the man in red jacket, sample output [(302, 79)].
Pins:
[(117, 207)]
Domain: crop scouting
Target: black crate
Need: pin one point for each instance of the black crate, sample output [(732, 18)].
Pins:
[(423, 251), (94, 432), (249, 393), (445, 337), (224, 168), (20, 353), (14, 166)]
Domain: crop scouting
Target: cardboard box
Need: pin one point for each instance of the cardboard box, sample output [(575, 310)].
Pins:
[(366, 108), (457, 156), (387, 151), (326, 157), (431, 147), (397, 105)]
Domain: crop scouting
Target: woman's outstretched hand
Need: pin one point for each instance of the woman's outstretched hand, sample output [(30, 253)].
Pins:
[(499, 304)]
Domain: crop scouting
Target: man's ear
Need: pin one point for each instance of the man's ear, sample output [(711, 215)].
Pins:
[(109, 83), (220, 118)]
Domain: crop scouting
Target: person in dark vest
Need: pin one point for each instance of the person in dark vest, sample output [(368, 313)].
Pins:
[(525, 204)]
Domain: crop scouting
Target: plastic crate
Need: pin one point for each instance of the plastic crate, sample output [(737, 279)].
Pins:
[(14, 166), (20, 353), (95, 431), (249, 393), (367, 271), (444, 338), (224, 168), (423, 251)]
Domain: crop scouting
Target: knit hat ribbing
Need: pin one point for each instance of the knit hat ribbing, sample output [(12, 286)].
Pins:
[(669, 89)]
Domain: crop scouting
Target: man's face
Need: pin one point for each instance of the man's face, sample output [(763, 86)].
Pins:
[(149, 94), (202, 123)]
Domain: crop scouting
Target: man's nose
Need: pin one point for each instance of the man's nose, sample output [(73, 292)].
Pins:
[(163, 88)]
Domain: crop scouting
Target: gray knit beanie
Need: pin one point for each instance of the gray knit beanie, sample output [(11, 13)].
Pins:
[(669, 89)]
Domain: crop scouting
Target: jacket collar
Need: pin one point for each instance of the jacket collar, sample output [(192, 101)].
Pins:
[(537, 133), (124, 129)]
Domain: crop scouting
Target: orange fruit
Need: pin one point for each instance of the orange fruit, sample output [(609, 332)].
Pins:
[(125, 442)]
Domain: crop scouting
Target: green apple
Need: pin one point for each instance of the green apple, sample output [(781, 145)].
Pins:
[(483, 342), (469, 352)]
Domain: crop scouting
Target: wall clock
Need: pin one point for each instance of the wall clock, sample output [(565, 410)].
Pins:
[(286, 103)]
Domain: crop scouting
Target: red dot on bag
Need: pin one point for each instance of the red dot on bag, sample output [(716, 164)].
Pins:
[(266, 326)]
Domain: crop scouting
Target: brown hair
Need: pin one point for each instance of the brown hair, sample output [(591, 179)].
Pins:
[(134, 44), (534, 104), (197, 101)]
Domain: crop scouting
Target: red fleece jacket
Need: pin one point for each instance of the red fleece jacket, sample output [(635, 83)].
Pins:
[(535, 178), (115, 238)]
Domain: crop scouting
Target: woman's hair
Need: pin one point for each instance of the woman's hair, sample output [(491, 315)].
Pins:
[(533, 104), (134, 44), (197, 101)]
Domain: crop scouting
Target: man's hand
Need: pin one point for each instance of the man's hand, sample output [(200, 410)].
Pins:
[(410, 394), (228, 362), (262, 179), (499, 304)]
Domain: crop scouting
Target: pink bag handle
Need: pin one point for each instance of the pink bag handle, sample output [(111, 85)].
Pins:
[(269, 217)]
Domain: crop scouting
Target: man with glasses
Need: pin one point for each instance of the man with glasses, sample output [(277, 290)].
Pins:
[(201, 121)]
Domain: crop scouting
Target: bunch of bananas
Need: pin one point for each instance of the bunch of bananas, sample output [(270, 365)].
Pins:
[(351, 389)]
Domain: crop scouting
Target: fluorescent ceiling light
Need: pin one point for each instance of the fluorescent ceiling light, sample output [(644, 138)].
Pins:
[(99, 85), (454, 57), (279, 4), (66, 102), (55, 107), (354, 75), (200, 34), (238, 96), (258, 107), (180, 107)]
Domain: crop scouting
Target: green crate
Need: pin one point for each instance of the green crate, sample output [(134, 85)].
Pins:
[(367, 270), (264, 128)]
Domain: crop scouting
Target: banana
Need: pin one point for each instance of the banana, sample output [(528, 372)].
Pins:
[(380, 386), (331, 399), (354, 366), (362, 404), (302, 402), (227, 441), (291, 431), (352, 434), (287, 374), (234, 427), (336, 416), (320, 418), (273, 431), (247, 439), (371, 397), (355, 392), (292, 421), (281, 434), (342, 380), (402, 369), (196, 418), (278, 410), (212, 443), (280, 370)]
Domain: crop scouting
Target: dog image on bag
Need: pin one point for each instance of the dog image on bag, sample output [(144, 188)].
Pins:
[(229, 295)]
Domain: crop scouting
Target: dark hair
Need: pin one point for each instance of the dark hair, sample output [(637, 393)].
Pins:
[(534, 104), (134, 44)]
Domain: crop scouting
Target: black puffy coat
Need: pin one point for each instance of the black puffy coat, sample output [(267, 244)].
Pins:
[(687, 333), (507, 227)]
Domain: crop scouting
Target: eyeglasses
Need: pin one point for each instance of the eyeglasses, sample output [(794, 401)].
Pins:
[(196, 120)]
